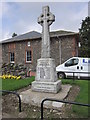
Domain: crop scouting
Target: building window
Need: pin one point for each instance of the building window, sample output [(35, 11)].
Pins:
[(28, 56), (12, 57), (79, 44), (28, 44)]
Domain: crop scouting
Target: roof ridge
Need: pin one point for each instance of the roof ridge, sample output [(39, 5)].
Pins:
[(35, 35), (27, 33), (63, 31)]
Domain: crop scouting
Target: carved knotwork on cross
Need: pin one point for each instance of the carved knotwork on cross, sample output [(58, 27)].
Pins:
[(46, 17), (45, 20)]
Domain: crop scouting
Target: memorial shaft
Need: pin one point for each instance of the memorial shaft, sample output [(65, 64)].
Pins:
[(46, 77), (45, 19)]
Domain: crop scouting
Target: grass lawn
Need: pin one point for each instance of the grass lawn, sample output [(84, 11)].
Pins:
[(12, 84), (82, 97)]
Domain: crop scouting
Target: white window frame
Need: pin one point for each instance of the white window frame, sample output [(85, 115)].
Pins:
[(26, 56), (28, 44)]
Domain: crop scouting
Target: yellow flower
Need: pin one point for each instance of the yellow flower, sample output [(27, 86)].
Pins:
[(14, 77), (9, 76), (3, 77), (6, 76), (0, 76), (18, 77)]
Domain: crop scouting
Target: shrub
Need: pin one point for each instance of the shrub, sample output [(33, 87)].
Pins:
[(10, 77)]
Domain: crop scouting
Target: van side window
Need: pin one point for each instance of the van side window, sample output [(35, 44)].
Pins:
[(71, 62)]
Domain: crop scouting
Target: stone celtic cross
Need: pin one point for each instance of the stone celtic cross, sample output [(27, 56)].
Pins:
[(45, 20), (46, 76)]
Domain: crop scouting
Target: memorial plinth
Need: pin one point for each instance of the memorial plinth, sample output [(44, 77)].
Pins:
[(46, 77)]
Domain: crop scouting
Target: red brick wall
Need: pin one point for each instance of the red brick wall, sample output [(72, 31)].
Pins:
[(31, 73), (68, 44), (75, 47)]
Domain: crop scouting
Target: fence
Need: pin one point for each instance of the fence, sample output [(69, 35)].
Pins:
[(15, 93), (47, 99), (67, 102)]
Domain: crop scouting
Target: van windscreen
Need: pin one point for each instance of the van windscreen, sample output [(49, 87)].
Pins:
[(72, 62)]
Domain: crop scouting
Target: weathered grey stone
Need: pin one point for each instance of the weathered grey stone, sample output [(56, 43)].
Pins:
[(35, 98), (52, 87), (67, 47), (0, 100), (45, 20), (46, 71), (57, 104), (46, 77)]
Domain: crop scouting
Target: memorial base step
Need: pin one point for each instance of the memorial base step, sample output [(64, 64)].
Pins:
[(51, 87)]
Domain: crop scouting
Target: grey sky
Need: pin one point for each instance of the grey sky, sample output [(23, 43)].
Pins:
[(21, 17)]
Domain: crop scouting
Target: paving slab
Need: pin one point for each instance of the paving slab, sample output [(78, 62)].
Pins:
[(6, 115), (0, 116), (35, 98)]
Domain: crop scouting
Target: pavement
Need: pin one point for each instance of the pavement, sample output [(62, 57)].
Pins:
[(6, 116), (0, 108), (35, 98), (0, 116)]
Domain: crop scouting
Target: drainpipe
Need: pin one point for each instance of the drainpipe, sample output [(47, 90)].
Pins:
[(60, 52)]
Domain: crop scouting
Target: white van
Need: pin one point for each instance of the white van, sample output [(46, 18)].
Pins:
[(77, 66)]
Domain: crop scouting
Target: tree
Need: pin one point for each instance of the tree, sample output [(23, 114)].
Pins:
[(14, 34), (84, 33)]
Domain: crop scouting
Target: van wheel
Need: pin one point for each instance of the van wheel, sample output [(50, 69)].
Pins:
[(61, 75)]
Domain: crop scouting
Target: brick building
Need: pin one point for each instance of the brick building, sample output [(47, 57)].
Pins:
[(26, 48)]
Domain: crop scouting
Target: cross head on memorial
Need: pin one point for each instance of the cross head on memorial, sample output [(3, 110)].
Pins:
[(45, 20)]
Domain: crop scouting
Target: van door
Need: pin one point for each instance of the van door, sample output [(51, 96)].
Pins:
[(83, 69), (79, 69), (71, 67)]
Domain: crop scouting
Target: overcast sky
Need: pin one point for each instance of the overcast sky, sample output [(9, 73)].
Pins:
[(21, 17)]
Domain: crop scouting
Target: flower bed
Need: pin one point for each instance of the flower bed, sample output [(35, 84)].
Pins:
[(13, 71), (10, 77)]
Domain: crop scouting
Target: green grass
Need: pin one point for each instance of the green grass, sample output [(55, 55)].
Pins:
[(12, 84), (82, 97)]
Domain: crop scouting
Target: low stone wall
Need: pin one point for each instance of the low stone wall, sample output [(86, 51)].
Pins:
[(14, 69)]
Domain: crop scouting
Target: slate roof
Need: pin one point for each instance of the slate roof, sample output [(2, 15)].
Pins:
[(61, 33), (26, 36), (36, 35)]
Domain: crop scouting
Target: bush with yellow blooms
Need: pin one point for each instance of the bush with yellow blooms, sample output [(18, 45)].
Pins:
[(10, 77)]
